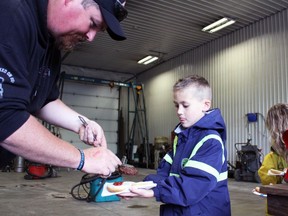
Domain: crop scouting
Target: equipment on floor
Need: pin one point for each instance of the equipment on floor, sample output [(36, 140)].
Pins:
[(138, 127), (161, 147), (248, 162), (38, 171), (19, 164), (91, 186), (231, 169)]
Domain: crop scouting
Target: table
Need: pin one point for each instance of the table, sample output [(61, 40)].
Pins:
[(277, 198)]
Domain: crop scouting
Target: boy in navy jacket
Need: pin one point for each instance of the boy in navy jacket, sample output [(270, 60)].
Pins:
[(192, 178)]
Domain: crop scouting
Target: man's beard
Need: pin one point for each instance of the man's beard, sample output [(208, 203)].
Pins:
[(68, 42)]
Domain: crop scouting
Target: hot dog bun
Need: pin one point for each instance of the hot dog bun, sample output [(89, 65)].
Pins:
[(143, 184), (274, 171), (115, 188)]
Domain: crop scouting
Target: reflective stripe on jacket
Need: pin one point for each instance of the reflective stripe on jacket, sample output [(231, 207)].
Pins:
[(200, 165)]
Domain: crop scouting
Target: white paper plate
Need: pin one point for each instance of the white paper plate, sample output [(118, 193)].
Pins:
[(259, 194), (273, 172), (127, 184)]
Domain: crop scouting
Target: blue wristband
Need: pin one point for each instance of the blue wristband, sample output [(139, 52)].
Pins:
[(82, 160)]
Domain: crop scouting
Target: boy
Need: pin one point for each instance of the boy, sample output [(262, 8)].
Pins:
[(192, 178)]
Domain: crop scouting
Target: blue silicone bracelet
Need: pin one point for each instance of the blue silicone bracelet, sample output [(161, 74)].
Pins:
[(82, 160)]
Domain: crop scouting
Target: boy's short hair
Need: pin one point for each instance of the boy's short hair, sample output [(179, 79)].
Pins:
[(201, 85)]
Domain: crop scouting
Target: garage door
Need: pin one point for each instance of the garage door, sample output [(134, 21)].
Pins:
[(97, 102)]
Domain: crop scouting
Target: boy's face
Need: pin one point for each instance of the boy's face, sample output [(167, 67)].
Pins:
[(189, 108)]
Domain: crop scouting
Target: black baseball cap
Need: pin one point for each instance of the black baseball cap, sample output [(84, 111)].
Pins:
[(113, 12)]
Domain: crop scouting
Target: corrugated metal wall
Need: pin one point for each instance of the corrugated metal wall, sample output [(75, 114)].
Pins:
[(247, 71)]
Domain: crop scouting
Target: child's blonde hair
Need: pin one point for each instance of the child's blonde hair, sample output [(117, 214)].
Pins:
[(277, 123)]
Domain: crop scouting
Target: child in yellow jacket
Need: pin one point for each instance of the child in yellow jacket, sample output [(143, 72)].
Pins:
[(271, 161)]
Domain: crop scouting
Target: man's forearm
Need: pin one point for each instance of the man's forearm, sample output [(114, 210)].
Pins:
[(57, 113), (34, 142)]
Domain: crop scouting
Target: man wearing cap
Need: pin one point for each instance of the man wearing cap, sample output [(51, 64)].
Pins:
[(31, 37)]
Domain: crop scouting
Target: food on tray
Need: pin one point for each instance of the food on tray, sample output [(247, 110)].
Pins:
[(275, 172), (117, 187)]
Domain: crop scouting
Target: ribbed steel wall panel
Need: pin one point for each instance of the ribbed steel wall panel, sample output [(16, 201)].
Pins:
[(248, 74), (166, 28)]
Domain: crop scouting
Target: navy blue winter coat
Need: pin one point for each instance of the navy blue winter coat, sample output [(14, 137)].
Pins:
[(192, 178)]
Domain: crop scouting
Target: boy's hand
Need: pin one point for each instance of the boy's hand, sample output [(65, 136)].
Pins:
[(135, 192)]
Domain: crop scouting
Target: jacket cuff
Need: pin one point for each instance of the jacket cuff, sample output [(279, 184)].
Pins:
[(156, 193)]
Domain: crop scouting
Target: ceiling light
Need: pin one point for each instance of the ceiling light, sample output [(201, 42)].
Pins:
[(144, 59), (220, 24), (147, 60)]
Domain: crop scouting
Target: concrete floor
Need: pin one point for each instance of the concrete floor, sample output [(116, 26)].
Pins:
[(51, 196)]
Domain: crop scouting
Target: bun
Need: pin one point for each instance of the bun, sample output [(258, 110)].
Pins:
[(116, 187), (274, 171)]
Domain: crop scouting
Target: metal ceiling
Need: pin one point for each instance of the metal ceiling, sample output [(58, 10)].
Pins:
[(166, 28)]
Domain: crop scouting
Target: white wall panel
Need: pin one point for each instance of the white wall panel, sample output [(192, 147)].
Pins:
[(248, 74)]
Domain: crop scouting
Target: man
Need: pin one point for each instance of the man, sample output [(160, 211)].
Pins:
[(32, 34)]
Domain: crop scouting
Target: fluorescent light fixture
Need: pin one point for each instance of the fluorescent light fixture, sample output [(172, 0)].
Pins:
[(147, 60), (150, 60), (230, 22), (220, 24)]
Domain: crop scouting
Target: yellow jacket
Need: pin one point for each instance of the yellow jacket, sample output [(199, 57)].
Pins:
[(271, 161)]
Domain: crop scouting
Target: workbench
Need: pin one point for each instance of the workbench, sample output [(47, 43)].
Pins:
[(277, 198)]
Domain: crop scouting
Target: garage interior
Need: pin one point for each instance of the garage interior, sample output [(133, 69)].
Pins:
[(245, 63)]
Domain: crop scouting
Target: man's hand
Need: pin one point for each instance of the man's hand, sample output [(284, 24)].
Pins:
[(92, 134), (100, 161)]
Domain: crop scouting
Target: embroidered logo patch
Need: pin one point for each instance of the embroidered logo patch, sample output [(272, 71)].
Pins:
[(1, 87), (4, 73)]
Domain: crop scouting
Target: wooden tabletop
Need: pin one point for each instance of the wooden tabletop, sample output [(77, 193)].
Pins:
[(277, 198), (277, 189)]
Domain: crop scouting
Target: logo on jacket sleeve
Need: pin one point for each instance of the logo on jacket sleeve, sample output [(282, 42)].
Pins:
[(1, 87), (5, 73)]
